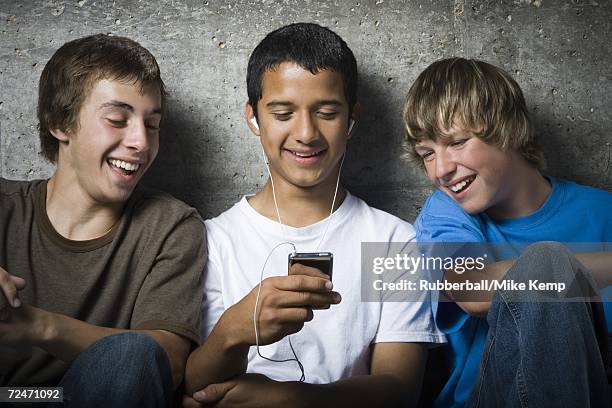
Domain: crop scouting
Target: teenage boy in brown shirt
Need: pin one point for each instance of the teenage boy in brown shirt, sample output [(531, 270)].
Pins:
[(99, 277)]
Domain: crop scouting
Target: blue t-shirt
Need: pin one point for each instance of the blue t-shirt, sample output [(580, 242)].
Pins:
[(572, 213)]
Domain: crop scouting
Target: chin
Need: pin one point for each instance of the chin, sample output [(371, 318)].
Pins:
[(305, 184), (118, 196), (304, 181), (473, 208)]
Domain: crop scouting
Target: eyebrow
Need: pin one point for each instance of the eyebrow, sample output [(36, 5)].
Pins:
[(284, 104), (333, 102), (278, 104), (126, 106), (422, 147)]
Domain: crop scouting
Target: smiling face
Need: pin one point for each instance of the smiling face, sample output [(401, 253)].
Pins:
[(475, 174), (303, 124), (116, 140)]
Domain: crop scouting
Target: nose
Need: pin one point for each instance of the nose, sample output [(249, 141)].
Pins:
[(445, 165), (306, 130), (137, 137)]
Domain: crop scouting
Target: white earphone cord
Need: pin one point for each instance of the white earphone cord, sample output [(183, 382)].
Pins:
[(331, 211)]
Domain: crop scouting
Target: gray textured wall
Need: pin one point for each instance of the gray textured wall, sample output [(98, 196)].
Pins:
[(557, 50)]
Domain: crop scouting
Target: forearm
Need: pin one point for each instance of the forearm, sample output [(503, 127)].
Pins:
[(476, 303), (218, 359), (65, 338), (359, 391), (600, 265)]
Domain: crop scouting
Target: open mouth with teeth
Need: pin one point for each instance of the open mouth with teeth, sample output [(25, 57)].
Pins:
[(462, 185), (125, 168), (306, 155)]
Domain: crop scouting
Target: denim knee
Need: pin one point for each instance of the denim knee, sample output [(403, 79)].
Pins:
[(139, 348), (138, 355), (552, 263), (126, 369)]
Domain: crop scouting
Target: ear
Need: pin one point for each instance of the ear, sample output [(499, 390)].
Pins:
[(355, 116), (59, 135), (251, 120)]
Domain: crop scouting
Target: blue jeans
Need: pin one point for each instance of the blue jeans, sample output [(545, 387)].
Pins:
[(544, 354), (122, 370)]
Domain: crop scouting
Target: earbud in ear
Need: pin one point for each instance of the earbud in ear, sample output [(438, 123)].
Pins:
[(351, 124), (254, 122)]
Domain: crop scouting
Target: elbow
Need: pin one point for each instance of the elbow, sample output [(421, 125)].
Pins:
[(176, 350), (191, 384), (399, 392), (178, 372)]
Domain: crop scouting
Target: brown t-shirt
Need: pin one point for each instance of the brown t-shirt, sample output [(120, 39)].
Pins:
[(143, 274)]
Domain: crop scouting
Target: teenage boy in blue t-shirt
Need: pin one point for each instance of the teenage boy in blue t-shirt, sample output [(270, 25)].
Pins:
[(467, 124)]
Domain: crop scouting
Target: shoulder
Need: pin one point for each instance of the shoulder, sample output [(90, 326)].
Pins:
[(162, 224), (152, 200), (439, 204), (379, 225), (161, 210), (442, 218), (17, 196), (231, 226), (584, 195), (231, 220), (17, 187)]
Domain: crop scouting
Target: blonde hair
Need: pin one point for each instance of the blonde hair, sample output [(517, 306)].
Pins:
[(479, 97)]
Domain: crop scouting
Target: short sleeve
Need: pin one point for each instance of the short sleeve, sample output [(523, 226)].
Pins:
[(408, 321), (171, 295), (443, 221), (212, 300), (403, 322)]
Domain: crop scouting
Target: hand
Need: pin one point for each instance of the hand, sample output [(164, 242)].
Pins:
[(26, 325), (285, 304), (247, 390), (9, 285), (300, 269)]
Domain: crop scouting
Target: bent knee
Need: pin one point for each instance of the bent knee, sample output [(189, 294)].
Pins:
[(546, 249), (140, 350)]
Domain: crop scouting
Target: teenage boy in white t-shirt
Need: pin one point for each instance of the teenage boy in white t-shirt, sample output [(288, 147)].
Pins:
[(302, 86)]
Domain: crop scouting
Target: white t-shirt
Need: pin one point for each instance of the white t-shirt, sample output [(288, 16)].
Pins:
[(336, 343)]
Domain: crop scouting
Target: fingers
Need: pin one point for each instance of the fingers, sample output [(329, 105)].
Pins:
[(302, 283), (286, 303), (299, 269), (189, 402), (19, 283), (310, 299), (298, 291), (10, 285), (288, 316), (278, 323), (213, 392)]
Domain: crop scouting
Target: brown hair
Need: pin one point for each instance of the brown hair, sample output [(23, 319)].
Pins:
[(479, 97), (75, 68)]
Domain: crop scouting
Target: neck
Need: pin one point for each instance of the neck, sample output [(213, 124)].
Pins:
[(76, 216), (529, 191), (298, 206)]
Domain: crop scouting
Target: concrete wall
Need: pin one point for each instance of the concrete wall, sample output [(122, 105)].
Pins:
[(559, 51)]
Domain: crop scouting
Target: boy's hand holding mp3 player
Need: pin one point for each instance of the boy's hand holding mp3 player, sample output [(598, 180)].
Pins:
[(316, 264), (285, 304)]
